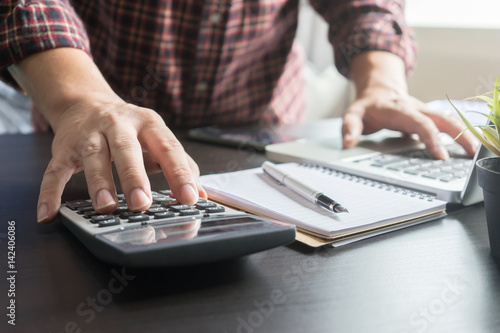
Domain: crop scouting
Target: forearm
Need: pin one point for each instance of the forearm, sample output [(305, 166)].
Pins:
[(60, 78), (378, 70)]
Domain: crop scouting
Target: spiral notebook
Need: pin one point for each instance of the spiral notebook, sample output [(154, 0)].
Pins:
[(374, 207)]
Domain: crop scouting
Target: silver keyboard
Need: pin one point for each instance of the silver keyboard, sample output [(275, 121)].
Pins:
[(421, 163)]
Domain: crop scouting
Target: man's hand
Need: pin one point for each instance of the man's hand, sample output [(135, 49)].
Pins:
[(383, 102), (93, 128), (89, 139)]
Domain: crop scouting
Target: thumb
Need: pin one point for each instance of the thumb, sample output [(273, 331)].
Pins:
[(352, 127)]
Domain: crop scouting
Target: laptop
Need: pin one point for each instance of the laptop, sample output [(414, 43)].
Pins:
[(390, 157)]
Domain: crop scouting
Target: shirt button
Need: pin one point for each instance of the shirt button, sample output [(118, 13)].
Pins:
[(215, 18), (201, 87)]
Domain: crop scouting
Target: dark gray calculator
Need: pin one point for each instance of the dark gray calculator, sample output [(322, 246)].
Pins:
[(172, 234)]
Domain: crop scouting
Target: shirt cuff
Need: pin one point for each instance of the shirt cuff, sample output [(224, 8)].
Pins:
[(375, 32)]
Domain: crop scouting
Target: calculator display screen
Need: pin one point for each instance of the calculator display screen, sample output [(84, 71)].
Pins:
[(178, 231)]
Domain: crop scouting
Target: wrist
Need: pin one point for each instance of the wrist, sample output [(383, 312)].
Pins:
[(379, 71)]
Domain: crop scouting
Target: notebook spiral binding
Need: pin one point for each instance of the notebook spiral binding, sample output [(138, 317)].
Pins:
[(372, 183)]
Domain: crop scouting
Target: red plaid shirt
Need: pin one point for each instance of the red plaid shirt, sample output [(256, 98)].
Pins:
[(202, 62)]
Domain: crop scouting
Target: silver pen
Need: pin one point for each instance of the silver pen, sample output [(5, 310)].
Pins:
[(302, 189)]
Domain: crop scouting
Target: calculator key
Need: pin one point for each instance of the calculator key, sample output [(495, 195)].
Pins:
[(166, 192), (99, 218), (190, 211), (218, 209), (177, 208), (164, 215), (204, 205), (153, 210), (125, 215), (108, 223), (165, 200), (138, 218), (75, 204), (84, 209), (121, 209), (89, 214)]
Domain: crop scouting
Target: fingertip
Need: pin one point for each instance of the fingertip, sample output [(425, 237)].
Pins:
[(188, 195), (351, 130), (139, 200), (472, 146), (44, 215), (348, 140), (105, 201), (439, 152)]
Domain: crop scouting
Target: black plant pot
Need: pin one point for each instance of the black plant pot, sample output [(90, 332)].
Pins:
[(488, 177)]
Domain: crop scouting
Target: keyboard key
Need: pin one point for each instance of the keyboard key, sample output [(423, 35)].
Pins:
[(398, 166), (386, 160), (460, 174), (449, 179), (436, 175), (415, 171)]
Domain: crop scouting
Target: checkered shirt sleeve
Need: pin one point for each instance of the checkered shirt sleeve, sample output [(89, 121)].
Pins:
[(28, 27)]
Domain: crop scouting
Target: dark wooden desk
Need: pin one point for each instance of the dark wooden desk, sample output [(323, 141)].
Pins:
[(436, 277)]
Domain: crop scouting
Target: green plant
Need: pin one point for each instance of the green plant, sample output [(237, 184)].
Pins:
[(488, 134)]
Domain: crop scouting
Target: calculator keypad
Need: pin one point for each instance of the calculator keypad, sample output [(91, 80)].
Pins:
[(164, 207)]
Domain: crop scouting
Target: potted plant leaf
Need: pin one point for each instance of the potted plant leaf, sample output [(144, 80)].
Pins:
[(488, 169)]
